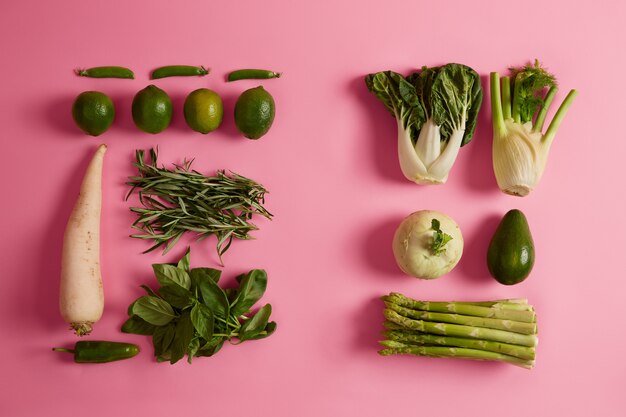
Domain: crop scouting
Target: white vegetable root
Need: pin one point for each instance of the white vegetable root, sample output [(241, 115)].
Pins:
[(81, 298)]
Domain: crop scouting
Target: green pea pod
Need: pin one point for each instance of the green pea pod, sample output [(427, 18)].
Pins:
[(106, 72), (252, 74), (178, 71), (100, 351)]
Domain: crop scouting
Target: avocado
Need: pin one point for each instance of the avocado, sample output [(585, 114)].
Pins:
[(511, 253)]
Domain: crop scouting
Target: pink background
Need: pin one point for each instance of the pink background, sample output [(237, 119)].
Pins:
[(337, 194)]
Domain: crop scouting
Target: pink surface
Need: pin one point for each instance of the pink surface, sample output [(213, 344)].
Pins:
[(337, 194)]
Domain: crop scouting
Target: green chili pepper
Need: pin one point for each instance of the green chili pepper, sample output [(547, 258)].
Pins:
[(178, 71), (252, 74), (100, 351), (106, 72)]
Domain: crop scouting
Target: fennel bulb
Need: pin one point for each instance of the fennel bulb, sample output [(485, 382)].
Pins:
[(520, 150)]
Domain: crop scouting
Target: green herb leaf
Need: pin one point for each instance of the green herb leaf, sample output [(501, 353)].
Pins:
[(194, 345), (137, 325), (184, 262), (169, 274), (440, 239), (212, 295), (149, 290), (269, 330), (212, 346), (213, 274), (180, 200), (153, 310), (251, 289), (256, 324), (176, 295), (162, 339), (182, 337), (527, 84), (202, 319)]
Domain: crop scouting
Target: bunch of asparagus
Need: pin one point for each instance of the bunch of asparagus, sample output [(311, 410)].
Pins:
[(500, 330)]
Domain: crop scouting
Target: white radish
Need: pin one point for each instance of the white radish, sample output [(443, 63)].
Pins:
[(81, 298)]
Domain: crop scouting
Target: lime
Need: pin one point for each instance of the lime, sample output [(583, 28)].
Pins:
[(93, 112), (203, 110), (254, 112), (152, 109)]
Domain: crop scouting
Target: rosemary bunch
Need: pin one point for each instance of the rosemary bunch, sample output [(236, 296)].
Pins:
[(180, 200)]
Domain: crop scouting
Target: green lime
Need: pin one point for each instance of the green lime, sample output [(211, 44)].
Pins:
[(203, 110), (93, 112), (254, 112), (152, 109)]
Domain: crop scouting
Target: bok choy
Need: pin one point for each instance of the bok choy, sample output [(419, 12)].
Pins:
[(436, 111), (520, 149)]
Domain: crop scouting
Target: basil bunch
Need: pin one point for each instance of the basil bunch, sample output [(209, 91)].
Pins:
[(190, 314)]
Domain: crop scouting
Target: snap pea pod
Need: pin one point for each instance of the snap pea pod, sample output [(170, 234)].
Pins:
[(106, 72), (252, 74), (178, 71), (100, 351)]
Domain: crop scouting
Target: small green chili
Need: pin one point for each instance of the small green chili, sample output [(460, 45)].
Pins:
[(100, 351)]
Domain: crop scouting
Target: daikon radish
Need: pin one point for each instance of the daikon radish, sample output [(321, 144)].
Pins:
[(81, 298)]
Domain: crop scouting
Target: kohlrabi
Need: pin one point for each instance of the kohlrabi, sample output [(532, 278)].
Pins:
[(436, 110), (520, 150)]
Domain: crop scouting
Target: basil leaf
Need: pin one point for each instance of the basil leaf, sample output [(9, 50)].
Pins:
[(251, 289), (168, 274), (149, 290), (182, 337), (184, 262), (194, 345), (129, 310), (213, 274), (256, 324), (162, 339), (137, 325), (153, 310), (269, 329), (213, 296), (177, 296), (202, 319), (212, 346)]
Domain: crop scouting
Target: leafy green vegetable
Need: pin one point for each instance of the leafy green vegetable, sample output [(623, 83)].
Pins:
[(190, 314), (436, 110), (251, 289), (137, 325), (440, 239), (154, 310), (167, 274), (176, 295), (202, 319), (256, 324)]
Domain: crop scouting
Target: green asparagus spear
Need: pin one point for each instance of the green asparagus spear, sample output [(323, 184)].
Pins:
[(394, 348), (462, 308), (461, 331), (420, 339), (491, 323)]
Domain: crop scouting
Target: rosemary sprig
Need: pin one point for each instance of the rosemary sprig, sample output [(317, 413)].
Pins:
[(180, 200)]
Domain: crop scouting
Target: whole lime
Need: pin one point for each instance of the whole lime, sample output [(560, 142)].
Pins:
[(152, 109), (93, 112), (254, 112), (203, 110)]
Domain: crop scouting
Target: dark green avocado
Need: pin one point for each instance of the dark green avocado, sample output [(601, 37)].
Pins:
[(511, 253)]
